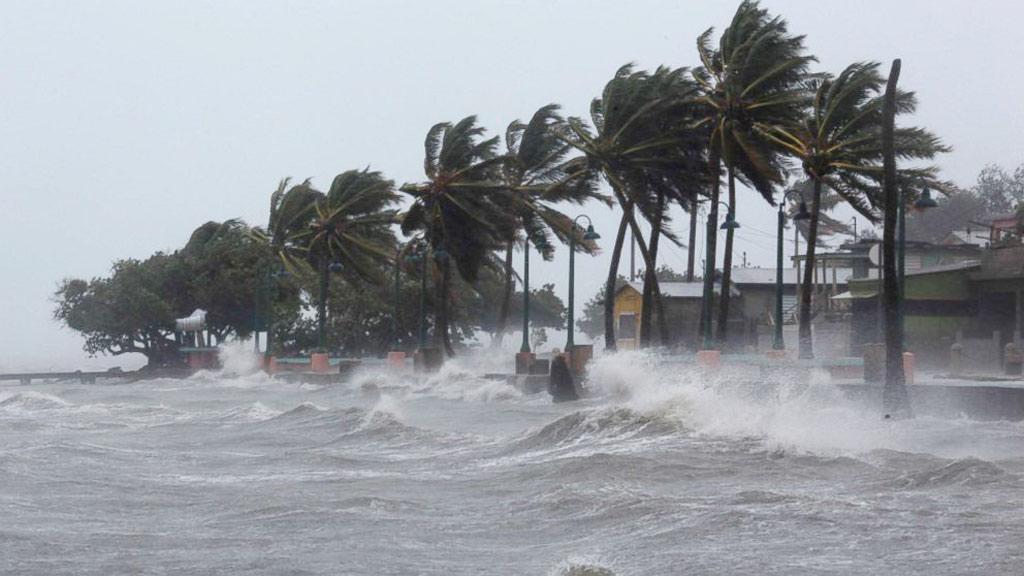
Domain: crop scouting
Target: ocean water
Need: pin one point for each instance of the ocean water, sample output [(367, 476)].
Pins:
[(661, 471)]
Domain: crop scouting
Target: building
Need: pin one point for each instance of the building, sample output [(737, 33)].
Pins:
[(682, 301)]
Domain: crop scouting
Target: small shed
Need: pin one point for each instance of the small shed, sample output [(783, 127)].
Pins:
[(682, 301)]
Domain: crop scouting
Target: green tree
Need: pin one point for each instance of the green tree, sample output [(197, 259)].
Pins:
[(753, 78), (838, 143), (458, 209), (643, 143)]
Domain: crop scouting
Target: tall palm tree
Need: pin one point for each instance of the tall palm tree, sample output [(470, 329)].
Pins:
[(349, 230), (458, 209), (643, 143), (538, 175), (838, 143), (753, 77)]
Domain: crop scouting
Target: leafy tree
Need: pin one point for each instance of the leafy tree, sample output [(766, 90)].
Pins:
[(838, 145), (642, 142), (754, 77), (458, 210), (1001, 190)]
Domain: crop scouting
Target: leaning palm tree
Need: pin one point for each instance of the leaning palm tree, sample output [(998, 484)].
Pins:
[(644, 144), (838, 142), (753, 77), (538, 174), (349, 231), (458, 209)]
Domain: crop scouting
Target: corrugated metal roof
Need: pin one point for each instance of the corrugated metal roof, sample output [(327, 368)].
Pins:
[(682, 289)]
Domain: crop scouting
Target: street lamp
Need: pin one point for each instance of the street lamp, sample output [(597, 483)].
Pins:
[(321, 306), (855, 237), (588, 234), (924, 202), (709, 267), (418, 257), (778, 343), (542, 245)]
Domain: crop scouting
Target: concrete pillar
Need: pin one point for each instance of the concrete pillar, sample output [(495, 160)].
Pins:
[(874, 363), (272, 367), (709, 359), (320, 362), (579, 357), (956, 358), (524, 361), (428, 359), (908, 367), (396, 359), (1012, 360)]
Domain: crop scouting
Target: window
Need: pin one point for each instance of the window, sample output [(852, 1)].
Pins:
[(627, 326)]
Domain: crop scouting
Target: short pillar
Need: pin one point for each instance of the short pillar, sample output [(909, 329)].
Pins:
[(1013, 360), (320, 362), (428, 359), (709, 359), (524, 360), (956, 358), (908, 367), (579, 356), (776, 354), (396, 359), (272, 367), (874, 363)]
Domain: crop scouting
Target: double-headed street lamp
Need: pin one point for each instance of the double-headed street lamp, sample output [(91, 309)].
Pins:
[(709, 266), (778, 343), (588, 234)]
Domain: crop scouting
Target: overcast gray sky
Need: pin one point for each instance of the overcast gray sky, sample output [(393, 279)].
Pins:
[(125, 124)]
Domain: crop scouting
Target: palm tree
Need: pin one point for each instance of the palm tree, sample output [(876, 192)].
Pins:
[(754, 77), (347, 229), (458, 209), (838, 143), (538, 175), (643, 143)]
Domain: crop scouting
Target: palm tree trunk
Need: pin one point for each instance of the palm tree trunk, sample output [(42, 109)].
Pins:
[(648, 305), (806, 342), (613, 274), (690, 252), (506, 298), (894, 398), (723, 301)]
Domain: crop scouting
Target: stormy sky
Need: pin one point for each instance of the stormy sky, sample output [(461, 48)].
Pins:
[(124, 124)]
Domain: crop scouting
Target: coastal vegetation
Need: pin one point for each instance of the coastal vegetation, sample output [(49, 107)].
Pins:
[(752, 111)]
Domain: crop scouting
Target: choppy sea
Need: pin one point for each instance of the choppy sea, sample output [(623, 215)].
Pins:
[(661, 471)]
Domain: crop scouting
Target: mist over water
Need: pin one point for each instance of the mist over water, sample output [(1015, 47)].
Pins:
[(663, 470)]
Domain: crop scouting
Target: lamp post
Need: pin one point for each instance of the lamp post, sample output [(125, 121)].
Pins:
[(854, 220), (418, 257), (709, 267), (589, 234), (526, 296), (778, 343), (923, 203), (321, 305)]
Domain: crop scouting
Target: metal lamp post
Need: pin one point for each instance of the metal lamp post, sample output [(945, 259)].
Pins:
[(417, 257), (923, 203), (589, 234), (778, 343), (321, 307), (709, 267), (542, 245)]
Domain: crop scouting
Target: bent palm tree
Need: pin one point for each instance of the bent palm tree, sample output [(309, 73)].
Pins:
[(838, 143), (538, 175), (643, 143), (458, 208), (754, 77)]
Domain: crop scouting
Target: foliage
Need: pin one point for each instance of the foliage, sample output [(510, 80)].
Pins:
[(1001, 191)]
